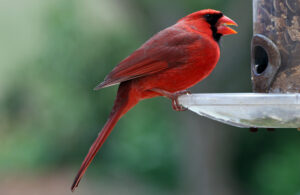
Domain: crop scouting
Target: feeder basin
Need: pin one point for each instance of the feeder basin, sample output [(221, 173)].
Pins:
[(247, 109)]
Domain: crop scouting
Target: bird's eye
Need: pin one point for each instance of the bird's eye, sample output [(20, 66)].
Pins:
[(207, 16)]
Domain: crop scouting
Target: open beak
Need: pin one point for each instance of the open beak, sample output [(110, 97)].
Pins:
[(222, 26)]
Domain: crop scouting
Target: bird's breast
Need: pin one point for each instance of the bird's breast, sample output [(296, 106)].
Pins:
[(200, 58)]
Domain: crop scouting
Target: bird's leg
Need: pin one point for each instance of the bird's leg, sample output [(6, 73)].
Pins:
[(175, 104), (174, 97)]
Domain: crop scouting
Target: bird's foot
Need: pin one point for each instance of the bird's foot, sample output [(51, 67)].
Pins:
[(174, 97)]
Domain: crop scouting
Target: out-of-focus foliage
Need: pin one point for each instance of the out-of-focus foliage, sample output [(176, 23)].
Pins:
[(268, 163), (53, 53), (50, 115)]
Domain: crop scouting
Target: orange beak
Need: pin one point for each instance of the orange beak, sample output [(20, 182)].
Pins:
[(222, 26)]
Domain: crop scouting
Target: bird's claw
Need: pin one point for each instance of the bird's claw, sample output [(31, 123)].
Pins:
[(174, 97), (175, 104), (177, 107)]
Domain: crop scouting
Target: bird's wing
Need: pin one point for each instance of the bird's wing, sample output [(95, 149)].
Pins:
[(164, 50)]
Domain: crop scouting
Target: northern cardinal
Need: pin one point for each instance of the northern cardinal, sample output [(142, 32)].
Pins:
[(170, 62)]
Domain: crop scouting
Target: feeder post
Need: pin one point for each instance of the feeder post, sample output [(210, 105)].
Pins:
[(275, 50)]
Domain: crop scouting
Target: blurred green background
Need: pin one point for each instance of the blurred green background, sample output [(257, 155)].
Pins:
[(53, 53)]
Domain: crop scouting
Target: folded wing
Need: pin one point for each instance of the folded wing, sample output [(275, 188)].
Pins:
[(165, 50)]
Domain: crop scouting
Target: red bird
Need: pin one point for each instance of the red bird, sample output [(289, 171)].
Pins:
[(170, 62)]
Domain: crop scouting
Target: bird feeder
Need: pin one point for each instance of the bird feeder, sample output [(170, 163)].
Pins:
[(276, 46), (275, 73)]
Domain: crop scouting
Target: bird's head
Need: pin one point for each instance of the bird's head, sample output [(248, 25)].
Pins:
[(210, 21)]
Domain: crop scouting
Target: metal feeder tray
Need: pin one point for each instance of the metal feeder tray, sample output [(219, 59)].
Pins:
[(247, 109)]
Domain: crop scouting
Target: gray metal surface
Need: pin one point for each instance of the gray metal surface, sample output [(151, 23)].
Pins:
[(247, 109)]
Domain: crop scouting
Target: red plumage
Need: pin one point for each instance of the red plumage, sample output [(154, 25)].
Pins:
[(171, 61)]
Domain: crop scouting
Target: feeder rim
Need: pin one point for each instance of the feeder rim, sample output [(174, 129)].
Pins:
[(236, 99)]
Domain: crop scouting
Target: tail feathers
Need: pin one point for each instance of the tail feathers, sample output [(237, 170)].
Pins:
[(106, 83), (122, 105), (95, 147)]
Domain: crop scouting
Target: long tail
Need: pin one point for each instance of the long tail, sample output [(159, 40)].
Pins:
[(123, 103)]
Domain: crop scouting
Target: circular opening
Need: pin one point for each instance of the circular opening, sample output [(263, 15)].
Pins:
[(261, 59)]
